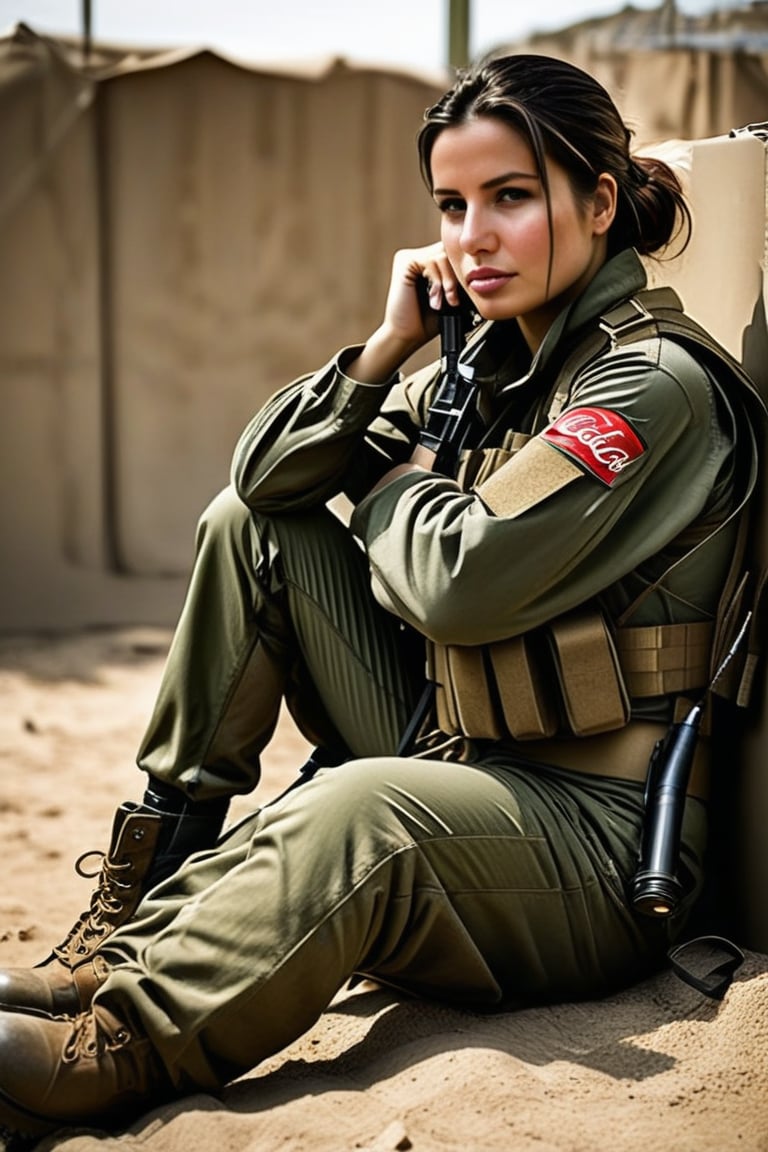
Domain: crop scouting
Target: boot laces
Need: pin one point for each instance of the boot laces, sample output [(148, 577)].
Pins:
[(107, 902), (89, 1039)]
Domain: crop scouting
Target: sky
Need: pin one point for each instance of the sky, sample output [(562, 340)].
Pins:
[(404, 33)]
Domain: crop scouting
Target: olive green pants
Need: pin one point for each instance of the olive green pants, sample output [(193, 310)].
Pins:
[(277, 609), (473, 884), (481, 883)]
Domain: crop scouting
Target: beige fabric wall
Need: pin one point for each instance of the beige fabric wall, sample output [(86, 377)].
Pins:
[(178, 238), (252, 220), (665, 87), (52, 492)]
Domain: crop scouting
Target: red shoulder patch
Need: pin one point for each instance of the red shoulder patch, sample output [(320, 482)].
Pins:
[(598, 439)]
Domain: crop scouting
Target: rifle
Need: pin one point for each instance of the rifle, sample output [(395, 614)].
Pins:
[(451, 412), (445, 431)]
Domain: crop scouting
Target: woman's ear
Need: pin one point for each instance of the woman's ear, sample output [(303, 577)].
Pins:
[(604, 203)]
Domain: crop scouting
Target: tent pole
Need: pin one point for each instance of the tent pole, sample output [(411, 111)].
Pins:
[(86, 31), (458, 33)]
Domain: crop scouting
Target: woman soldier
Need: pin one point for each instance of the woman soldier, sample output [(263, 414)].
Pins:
[(490, 860)]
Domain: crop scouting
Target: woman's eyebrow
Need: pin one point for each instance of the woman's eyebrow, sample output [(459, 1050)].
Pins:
[(494, 183)]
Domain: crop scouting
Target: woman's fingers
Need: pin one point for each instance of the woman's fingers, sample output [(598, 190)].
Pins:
[(439, 275)]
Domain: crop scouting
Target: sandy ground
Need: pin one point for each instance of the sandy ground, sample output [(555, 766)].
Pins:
[(656, 1067)]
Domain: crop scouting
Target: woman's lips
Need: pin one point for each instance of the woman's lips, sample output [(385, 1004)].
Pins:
[(485, 281)]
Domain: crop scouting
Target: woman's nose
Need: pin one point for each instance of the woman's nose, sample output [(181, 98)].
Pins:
[(476, 233)]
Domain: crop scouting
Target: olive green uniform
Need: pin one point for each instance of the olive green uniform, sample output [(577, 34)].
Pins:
[(485, 879)]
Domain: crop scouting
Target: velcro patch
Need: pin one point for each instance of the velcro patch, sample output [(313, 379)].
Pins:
[(598, 439)]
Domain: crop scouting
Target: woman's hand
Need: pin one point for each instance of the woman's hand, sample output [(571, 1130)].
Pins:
[(418, 274), (407, 324)]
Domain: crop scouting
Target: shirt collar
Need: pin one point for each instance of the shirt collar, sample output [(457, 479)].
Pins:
[(497, 352)]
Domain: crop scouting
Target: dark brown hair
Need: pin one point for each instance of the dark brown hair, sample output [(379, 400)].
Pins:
[(566, 114)]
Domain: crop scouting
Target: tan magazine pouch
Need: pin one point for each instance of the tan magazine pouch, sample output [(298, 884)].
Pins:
[(561, 678), (523, 687), (463, 699), (594, 696)]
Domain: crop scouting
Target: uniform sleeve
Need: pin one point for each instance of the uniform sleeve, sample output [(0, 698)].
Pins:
[(312, 440), (629, 464)]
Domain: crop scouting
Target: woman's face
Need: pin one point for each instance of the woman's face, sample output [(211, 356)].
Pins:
[(496, 231)]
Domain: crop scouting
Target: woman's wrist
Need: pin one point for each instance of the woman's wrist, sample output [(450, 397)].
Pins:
[(384, 353)]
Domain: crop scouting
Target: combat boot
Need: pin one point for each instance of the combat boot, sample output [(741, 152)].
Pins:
[(148, 844), (94, 1068), (52, 987)]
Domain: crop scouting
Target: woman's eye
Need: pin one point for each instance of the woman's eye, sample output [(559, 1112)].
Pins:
[(514, 194), (451, 204), (456, 205)]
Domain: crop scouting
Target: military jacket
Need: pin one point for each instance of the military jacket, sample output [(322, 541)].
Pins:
[(599, 496)]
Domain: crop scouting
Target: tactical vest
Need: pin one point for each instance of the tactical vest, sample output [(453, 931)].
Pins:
[(576, 675)]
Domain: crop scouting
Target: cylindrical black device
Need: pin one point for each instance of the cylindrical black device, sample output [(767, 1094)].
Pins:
[(656, 887)]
